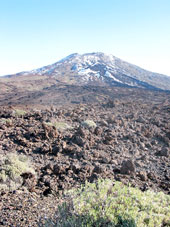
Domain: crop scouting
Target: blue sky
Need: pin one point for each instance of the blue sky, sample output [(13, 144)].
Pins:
[(34, 33)]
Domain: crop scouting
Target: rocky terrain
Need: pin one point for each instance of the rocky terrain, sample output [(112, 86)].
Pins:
[(83, 118), (125, 136)]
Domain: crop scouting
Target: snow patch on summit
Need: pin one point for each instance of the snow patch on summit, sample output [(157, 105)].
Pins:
[(90, 59)]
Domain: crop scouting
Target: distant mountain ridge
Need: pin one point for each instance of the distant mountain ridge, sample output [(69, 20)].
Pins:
[(100, 69)]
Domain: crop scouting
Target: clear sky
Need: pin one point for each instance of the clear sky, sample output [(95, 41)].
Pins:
[(34, 33)]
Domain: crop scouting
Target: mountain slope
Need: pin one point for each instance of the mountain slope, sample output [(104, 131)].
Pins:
[(100, 69), (86, 78)]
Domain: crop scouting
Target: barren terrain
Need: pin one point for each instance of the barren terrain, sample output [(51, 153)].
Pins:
[(117, 133)]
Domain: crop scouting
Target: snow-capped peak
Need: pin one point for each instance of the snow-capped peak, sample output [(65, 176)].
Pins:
[(103, 68)]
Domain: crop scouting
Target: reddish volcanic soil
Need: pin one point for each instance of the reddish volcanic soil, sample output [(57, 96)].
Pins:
[(130, 143)]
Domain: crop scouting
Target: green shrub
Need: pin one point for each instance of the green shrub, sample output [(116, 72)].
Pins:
[(59, 125), (89, 124), (104, 204), (19, 113), (6, 121), (11, 168)]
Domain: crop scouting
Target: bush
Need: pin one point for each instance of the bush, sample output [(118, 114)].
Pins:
[(89, 124), (59, 125), (11, 168), (19, 113), (107, 204), (5, 121)]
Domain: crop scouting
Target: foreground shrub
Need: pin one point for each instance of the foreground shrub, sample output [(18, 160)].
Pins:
[(107, 204), (12, 167)]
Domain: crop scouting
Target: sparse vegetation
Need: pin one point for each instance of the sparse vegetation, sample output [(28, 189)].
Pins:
[(11, 169), (130, 144), (19, 113), (6, 121), (89, 124), (113, 204), (59, 125)]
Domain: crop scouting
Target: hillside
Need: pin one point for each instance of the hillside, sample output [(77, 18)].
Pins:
[(79, 79), (100, 69), (85, 118)]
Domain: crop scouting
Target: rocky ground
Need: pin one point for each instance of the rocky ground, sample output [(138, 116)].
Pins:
[(125, 139)]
